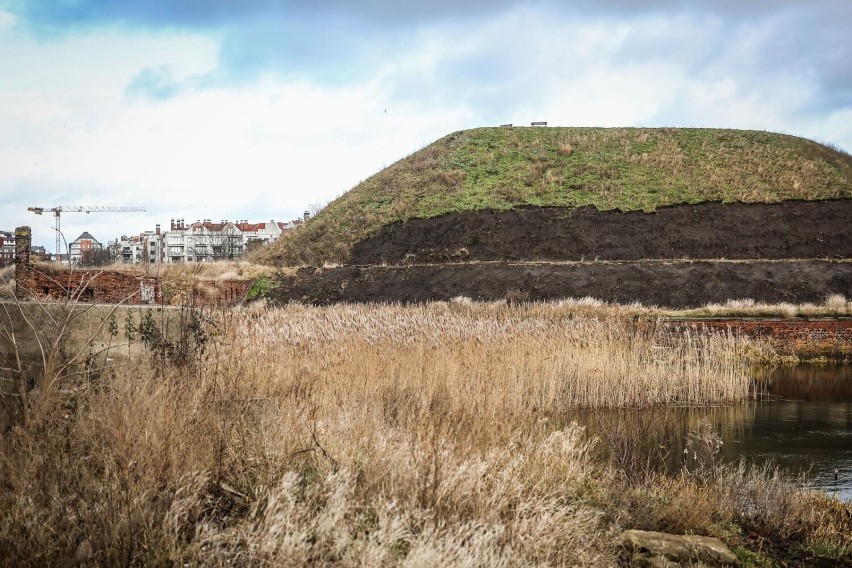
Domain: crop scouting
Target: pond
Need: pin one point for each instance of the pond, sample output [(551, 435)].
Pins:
[(802, 423)]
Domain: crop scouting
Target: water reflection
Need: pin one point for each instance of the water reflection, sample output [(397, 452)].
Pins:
[(803, 424), (806, 423)]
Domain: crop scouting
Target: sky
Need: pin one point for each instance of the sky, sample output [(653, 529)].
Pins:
[(261, 109)]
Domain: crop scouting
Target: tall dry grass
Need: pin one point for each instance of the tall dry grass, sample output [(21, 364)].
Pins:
[(7, 281), (357, 435), (533, 358)]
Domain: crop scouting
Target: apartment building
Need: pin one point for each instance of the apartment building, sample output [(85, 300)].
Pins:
[(209, 241), (201, 241), (7, 248), (144, 247), (81, 246)]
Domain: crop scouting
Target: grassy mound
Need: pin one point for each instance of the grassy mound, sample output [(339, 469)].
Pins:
[(609, 168)]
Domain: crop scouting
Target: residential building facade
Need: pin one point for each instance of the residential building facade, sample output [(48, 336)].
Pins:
[(201, 241), (7, 248), (141, 248), (81, 246)]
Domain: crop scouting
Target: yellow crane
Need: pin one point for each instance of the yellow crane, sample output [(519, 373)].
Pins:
[(78, 209)]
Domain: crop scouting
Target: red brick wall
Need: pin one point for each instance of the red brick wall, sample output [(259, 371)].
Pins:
[(109, 286), (103, 286), (803, 337)]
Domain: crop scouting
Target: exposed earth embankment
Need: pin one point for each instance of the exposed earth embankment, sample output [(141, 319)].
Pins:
[(790, 229), (676, 284), (680, 256)]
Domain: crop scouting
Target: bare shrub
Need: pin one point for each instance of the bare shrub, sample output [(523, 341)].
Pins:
[(710, 497), (837, 302), (451, 178), (636, 443), (508, 192)]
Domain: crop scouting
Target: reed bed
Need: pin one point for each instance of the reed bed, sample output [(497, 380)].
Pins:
[(540, 357), (377, 436), (834, 305)]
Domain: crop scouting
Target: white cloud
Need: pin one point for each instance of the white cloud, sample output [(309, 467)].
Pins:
[(7, 20), (265, 150), (71, 132)]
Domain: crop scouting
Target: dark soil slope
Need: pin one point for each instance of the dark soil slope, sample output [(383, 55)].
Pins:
[(672, 284), (791, 229)]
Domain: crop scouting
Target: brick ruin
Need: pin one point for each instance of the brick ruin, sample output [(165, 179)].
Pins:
[(109, 286), (830, 338), (84, 285)]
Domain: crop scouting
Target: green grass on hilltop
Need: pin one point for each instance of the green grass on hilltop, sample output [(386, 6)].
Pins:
[(609, 168)]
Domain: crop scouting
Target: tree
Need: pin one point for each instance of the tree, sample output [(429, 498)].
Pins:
[(95, 257)]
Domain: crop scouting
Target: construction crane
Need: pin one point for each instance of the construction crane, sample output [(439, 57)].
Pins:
[(78, 209)]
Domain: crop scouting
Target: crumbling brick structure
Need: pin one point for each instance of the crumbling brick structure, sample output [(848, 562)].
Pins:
[(103, 286), (109, 286), (800, 336)]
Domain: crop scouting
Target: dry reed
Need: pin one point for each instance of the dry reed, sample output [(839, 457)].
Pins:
[(356, 435)]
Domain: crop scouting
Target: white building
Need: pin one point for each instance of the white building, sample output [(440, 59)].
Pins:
[(202, 241), (145, 247), (81, 246)]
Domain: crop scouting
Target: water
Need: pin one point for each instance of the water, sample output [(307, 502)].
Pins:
[(806, 425), (803, 425)]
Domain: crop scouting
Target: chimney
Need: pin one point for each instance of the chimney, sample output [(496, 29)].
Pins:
[(157, 229), (23, 246)]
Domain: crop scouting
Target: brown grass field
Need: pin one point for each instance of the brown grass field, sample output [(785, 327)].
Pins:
[(387, 435)]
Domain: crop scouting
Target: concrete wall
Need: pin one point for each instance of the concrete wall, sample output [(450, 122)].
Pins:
[(91, 335)]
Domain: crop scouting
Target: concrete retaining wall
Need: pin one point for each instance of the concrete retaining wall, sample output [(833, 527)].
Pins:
[(85, 334)]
